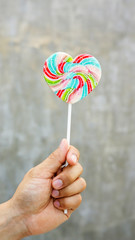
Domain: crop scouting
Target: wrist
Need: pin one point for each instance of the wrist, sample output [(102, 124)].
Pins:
[(12, 226)]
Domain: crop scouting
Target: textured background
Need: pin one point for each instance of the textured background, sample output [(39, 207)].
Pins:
[(33, 119)]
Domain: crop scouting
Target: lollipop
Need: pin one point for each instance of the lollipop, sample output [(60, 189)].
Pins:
[(71, 79)]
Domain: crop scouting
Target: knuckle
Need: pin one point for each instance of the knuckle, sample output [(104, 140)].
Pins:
[(77, 152), (83, 183), (80, 167), (79, 199)]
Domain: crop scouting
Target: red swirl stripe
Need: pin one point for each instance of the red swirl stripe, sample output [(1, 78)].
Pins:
[(61, 67), (59, 93), (48, 73), (89, 86), (81, 83), (81, 57)]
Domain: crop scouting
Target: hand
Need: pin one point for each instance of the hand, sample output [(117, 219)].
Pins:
[(46, 191)]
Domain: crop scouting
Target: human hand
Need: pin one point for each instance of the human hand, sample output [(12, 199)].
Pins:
[(40, 199)]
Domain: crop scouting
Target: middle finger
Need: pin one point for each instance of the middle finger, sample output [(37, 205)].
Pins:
[(67, 176), (76, 187)]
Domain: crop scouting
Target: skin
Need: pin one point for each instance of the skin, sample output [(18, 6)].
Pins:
[(40, 196)]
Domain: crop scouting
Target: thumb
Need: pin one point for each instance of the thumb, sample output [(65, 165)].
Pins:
[(51, 165)]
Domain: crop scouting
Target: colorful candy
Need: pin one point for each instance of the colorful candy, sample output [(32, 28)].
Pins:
[(72, 79)]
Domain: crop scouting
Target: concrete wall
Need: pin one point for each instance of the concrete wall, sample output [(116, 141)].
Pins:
[(33, 120)]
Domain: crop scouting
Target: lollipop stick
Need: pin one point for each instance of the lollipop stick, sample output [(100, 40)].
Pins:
[(69, 122), (68, 133), (69, 125)]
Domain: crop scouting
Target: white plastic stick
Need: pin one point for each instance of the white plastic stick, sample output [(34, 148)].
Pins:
[(69, 122), (68, 133)]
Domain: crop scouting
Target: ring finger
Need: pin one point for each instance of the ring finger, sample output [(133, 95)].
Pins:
[(76, 187)]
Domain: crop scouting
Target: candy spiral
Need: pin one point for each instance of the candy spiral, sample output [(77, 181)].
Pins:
[(72, 79)]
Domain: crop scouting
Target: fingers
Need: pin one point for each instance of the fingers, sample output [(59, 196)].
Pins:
[(70, 203), (67, 176), (75, 188), (67, 187)]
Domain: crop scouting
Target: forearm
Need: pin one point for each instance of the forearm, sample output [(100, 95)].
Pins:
[(11, 223)]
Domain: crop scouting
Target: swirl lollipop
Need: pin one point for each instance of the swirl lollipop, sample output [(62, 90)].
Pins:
[(71, 79)]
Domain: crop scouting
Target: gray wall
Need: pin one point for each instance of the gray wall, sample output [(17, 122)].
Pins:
[(33, 119)]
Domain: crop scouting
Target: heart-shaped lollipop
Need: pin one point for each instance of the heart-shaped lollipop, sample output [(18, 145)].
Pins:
[(72, 79)]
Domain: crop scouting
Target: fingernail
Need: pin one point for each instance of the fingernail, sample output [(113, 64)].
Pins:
[(74, 158), (57, 203), (55, 193), (57, 183)]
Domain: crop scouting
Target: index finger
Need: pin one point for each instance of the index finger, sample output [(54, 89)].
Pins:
[(73, 155)]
